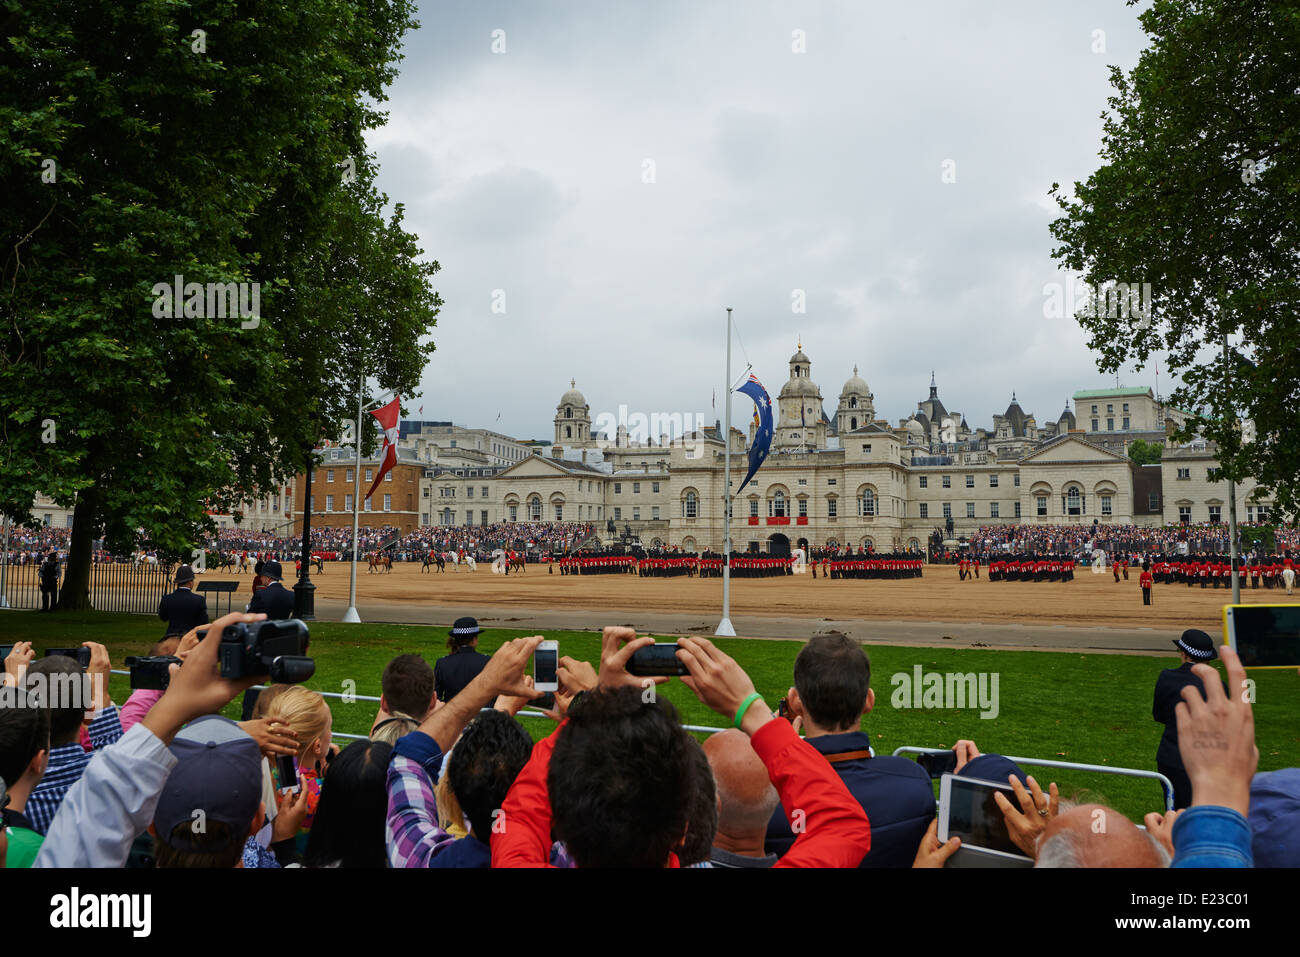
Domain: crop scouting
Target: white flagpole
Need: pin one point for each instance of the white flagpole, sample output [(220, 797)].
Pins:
[(350, 616), (724, 627)]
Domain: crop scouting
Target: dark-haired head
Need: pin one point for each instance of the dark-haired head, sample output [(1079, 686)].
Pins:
[(24, 733), (407, 686), (621, 780), (833, 675), (348, 829), (484, 764)]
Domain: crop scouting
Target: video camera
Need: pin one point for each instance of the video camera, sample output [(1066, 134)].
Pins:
[(151, 673), (271, 649)]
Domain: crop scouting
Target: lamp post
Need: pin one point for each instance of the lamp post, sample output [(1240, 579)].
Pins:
[(304, 592)]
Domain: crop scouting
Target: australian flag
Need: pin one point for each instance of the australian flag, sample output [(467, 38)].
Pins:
[(763, 418)]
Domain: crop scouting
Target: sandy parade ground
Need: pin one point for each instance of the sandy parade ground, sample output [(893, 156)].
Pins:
[(1091, 612)]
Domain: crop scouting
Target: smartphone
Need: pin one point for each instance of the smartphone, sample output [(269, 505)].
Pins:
[(82, 655), (938, 764), (1264, 636), (655, 660), (967, 810), (546, 663), (545, 703), (286, 770)]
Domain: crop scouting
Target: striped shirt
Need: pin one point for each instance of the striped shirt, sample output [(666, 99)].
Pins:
[(67, 762)]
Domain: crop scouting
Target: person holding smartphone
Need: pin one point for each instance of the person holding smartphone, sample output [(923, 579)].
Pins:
[(1194, 647)]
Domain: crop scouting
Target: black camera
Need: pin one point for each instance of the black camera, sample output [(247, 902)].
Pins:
[(82, 655), (271, 649), (151, 673), (656, 660)]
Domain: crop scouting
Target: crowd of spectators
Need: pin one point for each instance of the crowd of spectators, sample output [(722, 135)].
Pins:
[(450, 778), (1125, 539)]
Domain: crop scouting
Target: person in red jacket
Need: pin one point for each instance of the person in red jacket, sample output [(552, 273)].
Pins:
[(1146, 581), (619, 746)]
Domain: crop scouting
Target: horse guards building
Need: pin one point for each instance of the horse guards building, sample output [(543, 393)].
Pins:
[(847, 478)]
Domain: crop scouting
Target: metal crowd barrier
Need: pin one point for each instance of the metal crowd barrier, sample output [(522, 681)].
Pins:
[(1071, 766)]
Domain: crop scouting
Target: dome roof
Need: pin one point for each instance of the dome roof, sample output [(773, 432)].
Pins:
[(855, 385), (914, 427), (799, 357), (573, 396), (800, 386)]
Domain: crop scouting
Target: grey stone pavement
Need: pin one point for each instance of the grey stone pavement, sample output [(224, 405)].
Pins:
[(918, 633)]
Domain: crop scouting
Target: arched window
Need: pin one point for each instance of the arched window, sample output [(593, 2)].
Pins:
[(868, 503), (690, 505), (568, 431), (853, 423), (535, 508), (853, 403), (1073, 501), (777, 505), (568, 412)]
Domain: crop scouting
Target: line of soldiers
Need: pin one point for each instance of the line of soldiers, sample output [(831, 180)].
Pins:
[(598, 563), (872, 566), (1031, 568), (1213, 571)]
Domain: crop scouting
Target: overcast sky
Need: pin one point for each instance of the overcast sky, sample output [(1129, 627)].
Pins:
[(772, 171)]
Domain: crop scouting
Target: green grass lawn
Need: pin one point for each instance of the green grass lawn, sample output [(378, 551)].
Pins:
[(1093, 709)]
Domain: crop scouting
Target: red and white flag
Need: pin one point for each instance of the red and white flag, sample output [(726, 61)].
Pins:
[(387, 417)]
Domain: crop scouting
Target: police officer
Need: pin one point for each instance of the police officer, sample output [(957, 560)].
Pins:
[(1194, 646)]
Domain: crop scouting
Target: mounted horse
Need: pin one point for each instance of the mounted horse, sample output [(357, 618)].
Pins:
[(380, 561), (434, 559)]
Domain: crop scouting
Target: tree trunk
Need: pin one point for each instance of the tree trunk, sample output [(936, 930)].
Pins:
[(75, 593)]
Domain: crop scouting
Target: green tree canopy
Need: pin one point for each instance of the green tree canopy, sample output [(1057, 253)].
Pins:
[(1145, 453), (1198, 194), (221, 143)]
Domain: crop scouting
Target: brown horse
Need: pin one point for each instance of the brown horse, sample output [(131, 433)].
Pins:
[(380, 561), (517, 563)]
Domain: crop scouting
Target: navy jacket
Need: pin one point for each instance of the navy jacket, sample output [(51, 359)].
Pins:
[(275, 600), (896, 793), (1169, 692), (183, 610), (451, 673)]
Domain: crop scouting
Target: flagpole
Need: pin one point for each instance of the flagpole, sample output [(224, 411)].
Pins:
[(724, 627), (350, 616)]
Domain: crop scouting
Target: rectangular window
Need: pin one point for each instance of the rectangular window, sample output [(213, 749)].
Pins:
[(924, 482), (1153, 501), (618, 514), (559, 513), (830, 481), (483, 491), (618, 488), (1215, 514), (970, 509), (367, 508), (636, 514), (832, 504), (925, 510), (636, 488), (469, 491), (970, 481), (349, 474), (388, 476), (866, 446), (1184, 514), (1042, 505), (1110, 409), (1110, 425), (654, 487), (993, 481), (1125, 406), (947, 510), (1126, 424), (329, 475), (1209, 475), (1015, 480), (803, 508), (654, 513), (1105, 505), (1094, 425), (993, 510), (947, 481), (1017, 509), (482, 518), (514, 513), (329, 503), (347, 503), (1094, 410), (388, 502), (753, 508), (1263, 511), (1185, 473), (370, 474), (803, 481)]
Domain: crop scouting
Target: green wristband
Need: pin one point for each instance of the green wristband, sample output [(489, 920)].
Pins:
[(744, 706)]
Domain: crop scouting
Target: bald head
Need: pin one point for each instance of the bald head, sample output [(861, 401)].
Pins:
[(1091, 835), (745, 792)]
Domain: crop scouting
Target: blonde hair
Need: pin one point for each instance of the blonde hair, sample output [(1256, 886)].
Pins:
[(396, 725), (305, 712), (450, 814)]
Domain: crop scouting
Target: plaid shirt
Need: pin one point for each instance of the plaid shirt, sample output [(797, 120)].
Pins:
[(412, 833), (67, 763)]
